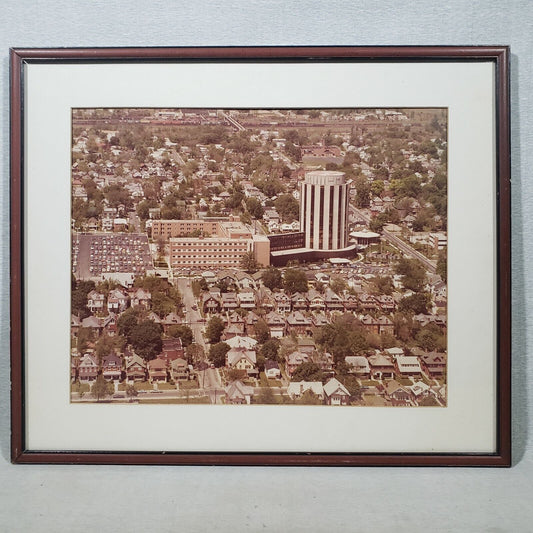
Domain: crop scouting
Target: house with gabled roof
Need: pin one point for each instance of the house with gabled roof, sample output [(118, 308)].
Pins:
[(282, 302), (229, 301), (172, 319), (172, 349), (333, 301), (242, 342), (246, 298), (385, 302), (93, 323), (75, 324), (299, 302), (316, 301), (157, 370), (241, 359), (408, 366), (294, 360), (276, 323), (381, 366), (434, 364), (367, 302), (358, 365), (211, 302), (272, 370), (135, 368), (233, 330), (117, 301), (296, 389), (179, 369), (396, 393), (336, 393), (112, 367), (250, 320), (237, 393), (244, 280), (141, 298), (95, 301), (88, 368), (299, 324), (109, 323)]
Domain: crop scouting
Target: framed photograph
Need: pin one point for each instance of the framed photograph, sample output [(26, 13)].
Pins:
[(261, 256)]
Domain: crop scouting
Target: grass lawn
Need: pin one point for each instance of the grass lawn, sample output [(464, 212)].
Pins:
[(369, 383), (79, 387), (406, 382), (192, 400), (139, 385), (274, 383), (162, 385), (189, 384), (263, 380)]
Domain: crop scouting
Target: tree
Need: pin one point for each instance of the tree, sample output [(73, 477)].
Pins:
[(266, 396), (415, 303), (309, 398), (101, 388), (430, 338), (382, 285), (338, 285), (288, 207), (127, 322), (412, 272), (254, 207), (272, 278), (131, 392), (214, 329), (181, 331), (104, 346), (146, 339), (162, 304), (307, 372), (262, 331), (249, 262), (295, 280), (442, 266), (195, 353), (79, 297), (270, 349), (217, 353), (362, 198)]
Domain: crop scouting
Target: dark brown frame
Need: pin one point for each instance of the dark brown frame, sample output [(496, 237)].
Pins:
[(499, 55)]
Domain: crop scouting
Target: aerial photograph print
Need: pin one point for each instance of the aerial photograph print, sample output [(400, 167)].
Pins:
[(259, 256)]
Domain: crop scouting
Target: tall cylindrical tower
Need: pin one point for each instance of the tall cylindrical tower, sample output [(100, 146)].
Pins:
[(324, 210)]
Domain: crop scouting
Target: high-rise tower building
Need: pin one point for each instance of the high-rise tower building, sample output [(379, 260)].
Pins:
[(324, 210)]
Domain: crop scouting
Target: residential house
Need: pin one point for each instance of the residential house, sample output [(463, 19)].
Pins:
[(298, 323), (397, 394), (238, 321), (306, 345), (93, 323), (385, 325), (135, 368), (336, 393), (420, 390), (242, 359), (112, 367), (296, 389), (179, 370), (88, 368), (294, 360), (367, 302), (229, 301), (141, 298), (316, 301), (434, 364), (242, 342), (95, 302), (117, 301), (244, 280), (233, 330), (237, 393), (250, 320), (299, 302), (246, 298), (157, 370), (282, 302), (381, 366), (276, 323), (172, 319), (319, 320), (351, 302), (385, 302), (264, 299), (272, 370), (333, 301), (359, 365), (172, 349), (408, 366), (75, 324), (211, 303), (394, 352), (109, 323)]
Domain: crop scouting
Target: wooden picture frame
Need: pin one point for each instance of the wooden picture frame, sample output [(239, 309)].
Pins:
[(486, 398)]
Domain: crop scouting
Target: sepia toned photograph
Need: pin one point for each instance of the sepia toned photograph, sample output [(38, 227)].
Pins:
[(259, 256)]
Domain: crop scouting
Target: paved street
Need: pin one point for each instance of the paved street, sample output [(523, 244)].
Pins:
[(399, 243)]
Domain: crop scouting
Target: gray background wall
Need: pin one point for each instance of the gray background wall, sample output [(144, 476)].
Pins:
[(69, 498)]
